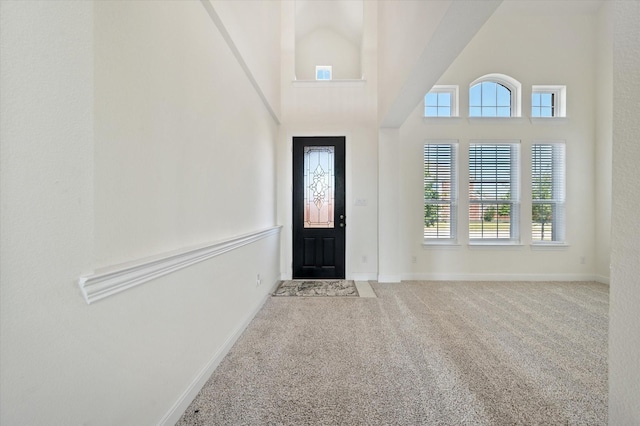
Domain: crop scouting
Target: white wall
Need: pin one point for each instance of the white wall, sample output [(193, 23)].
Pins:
[(252, 27), (47, 207), (624, 325), (404, 29), (604, 133), (515, 45), (176, 165), (334, 110), (327, 47), (150, 154)]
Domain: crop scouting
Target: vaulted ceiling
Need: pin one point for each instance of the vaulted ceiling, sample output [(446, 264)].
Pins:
[(344, 17)]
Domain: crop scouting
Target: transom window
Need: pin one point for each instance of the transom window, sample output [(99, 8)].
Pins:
[(542, 104), (441, 101), (323, 72), (548, 101), (494, 95), (489, 99), (547, 192), (440, 191), (493, 192)]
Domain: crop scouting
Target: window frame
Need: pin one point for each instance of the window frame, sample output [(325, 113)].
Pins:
[(558, 188), (441, 88), (452, 200), (328, 68), (559, 93), (514, 193), (513, 85)]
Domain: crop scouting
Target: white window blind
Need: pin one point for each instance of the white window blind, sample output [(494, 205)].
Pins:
[(494, 203), (440, 191), (548, 192)]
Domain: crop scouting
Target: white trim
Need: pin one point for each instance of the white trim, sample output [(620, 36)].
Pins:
[(602, 279), (496, 277), (328, 83), (362, 276), (286, 276), (451, 89), (182, 403), (560, 104), (324, 68), (98, 286), (549, 246), (389, 278), (509, 82)]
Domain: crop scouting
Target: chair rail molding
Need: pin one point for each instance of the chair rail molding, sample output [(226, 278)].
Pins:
[(95, 287)]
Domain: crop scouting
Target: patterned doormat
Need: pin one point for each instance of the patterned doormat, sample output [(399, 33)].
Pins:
[(317, 288)]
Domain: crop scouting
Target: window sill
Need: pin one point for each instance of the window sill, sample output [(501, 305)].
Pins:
[(549, 120), (329, 83), (496, 120), (549, 246)]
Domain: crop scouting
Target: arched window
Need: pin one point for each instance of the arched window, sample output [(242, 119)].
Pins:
[(494, 95)]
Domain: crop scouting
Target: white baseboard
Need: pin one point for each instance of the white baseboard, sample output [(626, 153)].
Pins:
[(363, 276), (178, 408), (497, 277), (389, 278), (285, 276), (602, 279)]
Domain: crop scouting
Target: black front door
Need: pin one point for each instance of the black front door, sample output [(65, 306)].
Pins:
[(318, 207)]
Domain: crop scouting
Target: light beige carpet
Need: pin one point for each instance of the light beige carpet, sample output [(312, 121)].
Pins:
[(422, 353)]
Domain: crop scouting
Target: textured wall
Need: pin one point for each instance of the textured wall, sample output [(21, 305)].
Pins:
[(624, 326), (176, 164), (123, 136), (47, 207), (604, 124)]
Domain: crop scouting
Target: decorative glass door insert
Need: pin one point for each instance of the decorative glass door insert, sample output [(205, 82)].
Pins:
[(319, 186)]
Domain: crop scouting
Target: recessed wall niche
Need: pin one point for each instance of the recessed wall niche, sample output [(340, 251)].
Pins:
[(329, 32)]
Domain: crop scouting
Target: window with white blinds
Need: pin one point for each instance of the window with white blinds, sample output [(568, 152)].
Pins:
[(440, 191), (494, 202), (547, 192)]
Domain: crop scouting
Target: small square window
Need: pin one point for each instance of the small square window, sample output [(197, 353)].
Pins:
[(323, 72), (441, 101), (548, 101)]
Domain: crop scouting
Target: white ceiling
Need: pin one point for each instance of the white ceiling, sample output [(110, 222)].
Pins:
[(342, 16)]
